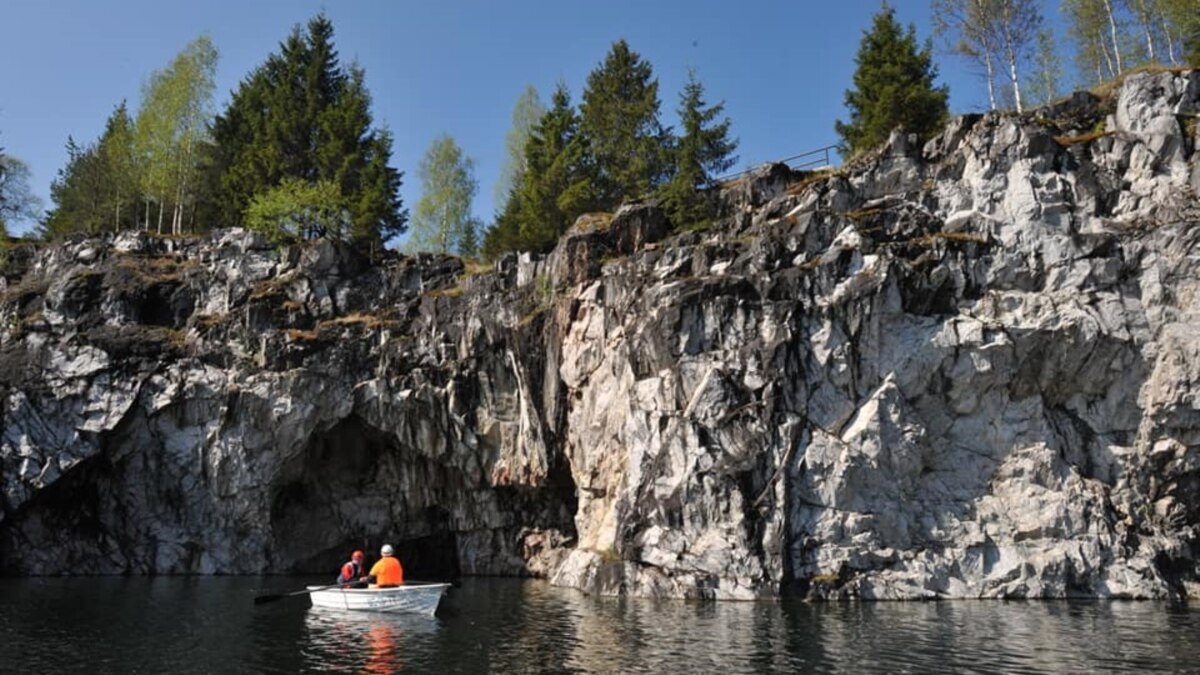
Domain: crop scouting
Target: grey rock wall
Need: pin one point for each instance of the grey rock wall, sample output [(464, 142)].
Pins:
[(964, 369)]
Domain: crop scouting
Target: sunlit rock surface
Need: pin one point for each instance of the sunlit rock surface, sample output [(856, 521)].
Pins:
[(964, 369)]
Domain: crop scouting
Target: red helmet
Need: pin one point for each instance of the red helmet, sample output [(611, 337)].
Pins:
[(357, 555)]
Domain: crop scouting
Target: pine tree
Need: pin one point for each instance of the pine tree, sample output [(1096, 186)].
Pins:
[(620, 118), (700, 155), (302, 115), (893, 87), (443, 222)]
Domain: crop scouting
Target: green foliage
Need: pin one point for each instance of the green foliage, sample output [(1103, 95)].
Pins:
[(17, 202), (700, 155), (526, 113), (1182, 17), (893, 87), (505, 233), (98, 188), (1043, 85), (620, 119), (555, 189), (443, 221), (298, 210), (172, 128), (302, 115), (997, 35), (1097, 38)]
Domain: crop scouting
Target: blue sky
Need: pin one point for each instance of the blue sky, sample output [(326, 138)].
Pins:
[(451, 66)]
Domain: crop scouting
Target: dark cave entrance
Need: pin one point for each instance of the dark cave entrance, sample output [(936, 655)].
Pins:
[(354, 487)]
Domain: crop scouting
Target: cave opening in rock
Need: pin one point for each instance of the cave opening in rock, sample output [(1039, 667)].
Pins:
[(355, 487)]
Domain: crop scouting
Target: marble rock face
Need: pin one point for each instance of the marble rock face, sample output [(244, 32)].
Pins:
[(963, 369)]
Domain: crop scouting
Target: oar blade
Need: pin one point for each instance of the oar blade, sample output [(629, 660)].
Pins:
[(264, 599)]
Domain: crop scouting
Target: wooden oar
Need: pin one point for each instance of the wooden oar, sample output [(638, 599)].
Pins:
[(263, 599)]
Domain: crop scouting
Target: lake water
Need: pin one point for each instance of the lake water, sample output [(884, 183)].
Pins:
[(210, 625)]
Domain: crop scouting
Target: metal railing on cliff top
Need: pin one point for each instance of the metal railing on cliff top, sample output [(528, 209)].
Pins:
[(813, 159)]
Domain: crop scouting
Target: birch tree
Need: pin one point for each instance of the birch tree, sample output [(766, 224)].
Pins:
[(443, 222), (171, 124), (993, 33), (1180, 20), (17, 201), (959, 24), (1047, 70), (526, 113), (1096, 30)]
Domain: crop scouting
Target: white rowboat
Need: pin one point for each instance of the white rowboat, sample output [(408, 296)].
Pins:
[(409, 598)]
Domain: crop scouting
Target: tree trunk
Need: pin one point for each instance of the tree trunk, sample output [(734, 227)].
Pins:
[(991, 78), (1107, 57), (1145, 17), (1013, 77), (160, 214), (1171, 56), (1112, 27)]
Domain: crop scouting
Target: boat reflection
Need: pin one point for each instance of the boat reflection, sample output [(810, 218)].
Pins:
[(360, 641)]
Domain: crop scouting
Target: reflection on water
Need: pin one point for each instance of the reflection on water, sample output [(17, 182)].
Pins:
[(361, 641), (204, 625)]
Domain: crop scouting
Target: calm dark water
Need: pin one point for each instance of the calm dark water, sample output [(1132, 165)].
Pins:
[(210, 625)]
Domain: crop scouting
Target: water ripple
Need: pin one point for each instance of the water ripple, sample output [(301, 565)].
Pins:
[(211, 625)]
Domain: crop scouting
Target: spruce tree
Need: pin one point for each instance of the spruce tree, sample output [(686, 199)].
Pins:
[(620, 118), (700, 155), (558, 183), (555, 188), (78, 193), (98, 187), (893, 87), (302, 115)]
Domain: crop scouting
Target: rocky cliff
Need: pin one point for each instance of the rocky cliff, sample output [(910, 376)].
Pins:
[(968, 369)]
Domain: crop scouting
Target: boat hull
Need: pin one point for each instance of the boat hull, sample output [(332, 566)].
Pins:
[(409, 598)]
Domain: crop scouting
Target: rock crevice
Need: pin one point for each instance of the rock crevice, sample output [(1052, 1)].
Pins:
[(962, 369)]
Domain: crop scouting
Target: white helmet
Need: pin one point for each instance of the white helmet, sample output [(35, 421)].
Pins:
[(386, 550)]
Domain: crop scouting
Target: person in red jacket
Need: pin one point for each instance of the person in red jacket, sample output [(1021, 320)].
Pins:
[(352, 572), (387, 572)]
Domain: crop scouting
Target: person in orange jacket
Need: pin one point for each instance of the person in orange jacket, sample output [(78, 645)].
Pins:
[(388, 572)]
